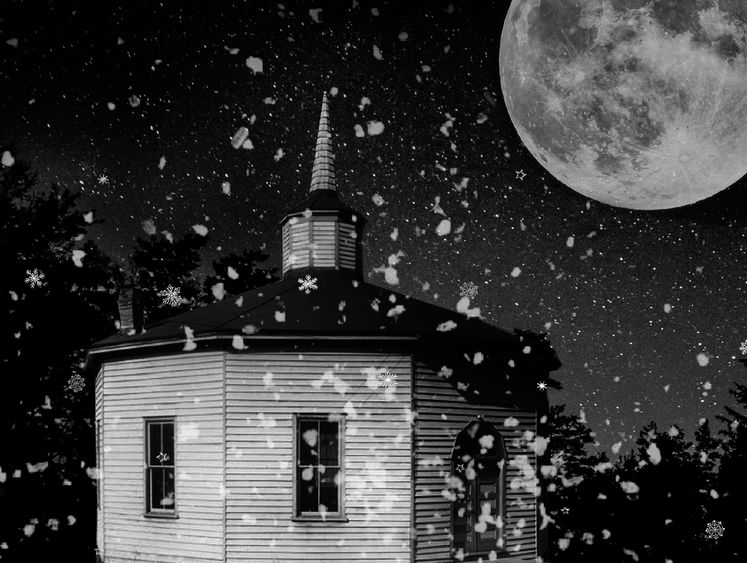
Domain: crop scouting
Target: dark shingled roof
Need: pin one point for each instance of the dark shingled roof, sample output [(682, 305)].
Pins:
[(341, 306)]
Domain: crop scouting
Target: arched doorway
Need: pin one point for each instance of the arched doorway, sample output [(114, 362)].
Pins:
[(477, 463)]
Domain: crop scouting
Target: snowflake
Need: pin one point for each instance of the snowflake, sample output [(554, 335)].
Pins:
[(171, 296), (34, 278), (743, 348), (387, 379), (103, 179), (76, 383), (520, 174), (468, 289), (542, 385), (162, 457), (307, 284), (715, 529)]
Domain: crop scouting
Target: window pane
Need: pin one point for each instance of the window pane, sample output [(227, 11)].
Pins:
[(168, 442), (329, 443), (328, 489), (307, 489), (154, 442), (308, 442)]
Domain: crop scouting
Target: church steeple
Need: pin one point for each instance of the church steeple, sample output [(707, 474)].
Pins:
[(321, 232), (323, 173)]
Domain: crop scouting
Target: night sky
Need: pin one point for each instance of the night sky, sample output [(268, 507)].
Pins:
[(134, 105)]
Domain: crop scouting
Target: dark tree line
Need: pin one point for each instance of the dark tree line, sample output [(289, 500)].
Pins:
[(652, 505)]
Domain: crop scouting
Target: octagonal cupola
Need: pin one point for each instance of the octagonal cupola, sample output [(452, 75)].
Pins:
[(322, 232)]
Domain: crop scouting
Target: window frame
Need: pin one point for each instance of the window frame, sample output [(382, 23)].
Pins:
[(499, 492), (148, 512), (340, 515)]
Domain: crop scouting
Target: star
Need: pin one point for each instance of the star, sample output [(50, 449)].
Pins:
[(460, 468), (103, 179), (565, 510), (520, 174), (542, 385), (162, 457)]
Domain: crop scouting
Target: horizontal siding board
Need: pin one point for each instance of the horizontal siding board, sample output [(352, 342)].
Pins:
[(441, 414)]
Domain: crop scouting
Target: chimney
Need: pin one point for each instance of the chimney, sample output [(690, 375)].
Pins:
[(130, 313)]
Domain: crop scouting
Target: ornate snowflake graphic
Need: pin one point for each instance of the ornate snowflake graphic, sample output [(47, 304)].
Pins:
[(542, 385), (468, 289), (520, 174), (103, 179), (162, 457), (34, 278), (743, 348), (307, 284), (715, 529), (171, 296), (387, 379), (76, 383)]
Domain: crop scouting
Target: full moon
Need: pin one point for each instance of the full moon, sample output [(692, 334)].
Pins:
[(635, 103)]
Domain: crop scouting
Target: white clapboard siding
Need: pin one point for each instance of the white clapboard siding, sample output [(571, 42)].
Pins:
[(263, 392), (347, 246), (99, 406), (441, 414), (323, 245), (189, 387)]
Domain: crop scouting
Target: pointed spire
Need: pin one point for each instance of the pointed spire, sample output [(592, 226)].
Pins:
[(323, 173)]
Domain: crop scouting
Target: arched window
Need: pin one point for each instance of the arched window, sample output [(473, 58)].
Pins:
[(477, 468)]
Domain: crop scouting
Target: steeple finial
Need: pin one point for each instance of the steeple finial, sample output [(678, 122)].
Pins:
[(323, 173)]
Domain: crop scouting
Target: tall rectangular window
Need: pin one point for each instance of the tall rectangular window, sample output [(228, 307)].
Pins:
[(160, 470), (318, 466)]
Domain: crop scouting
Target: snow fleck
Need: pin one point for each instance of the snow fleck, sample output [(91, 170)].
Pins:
[(279, 316), (233, 274), (629, 487), (162, 163), (190, 344), (13, 42), (314, 13), (378, 200), (743, 348), (77, 257), (239, 137), (134, 100), (377, 53), (280, 153), (516, 272), (403, 35), (569, 243), (654, 454), (219, 291), (446, 326), (111, 106), (359, 132), (667, 308), (468, 289), (238, 342), (255, 63), (8, 159), (88, 217), (201, 230), (334, 91), (616, 447), (226, 187), (375, 127), (703, 359), (511, 422), (444, 227), (350, 409)]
